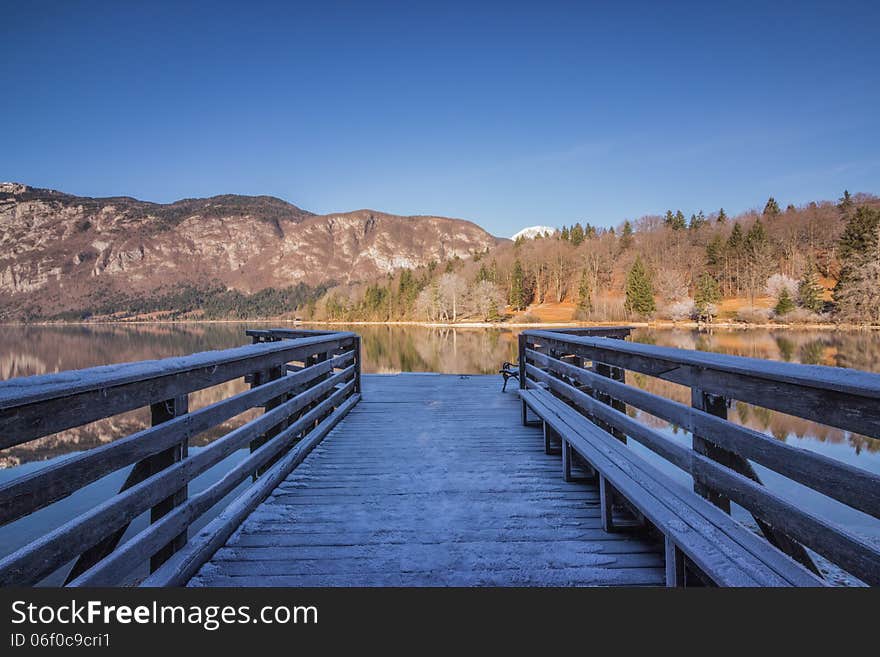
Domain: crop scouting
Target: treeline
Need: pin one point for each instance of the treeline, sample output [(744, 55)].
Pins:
[(209, 301), (817, 262)]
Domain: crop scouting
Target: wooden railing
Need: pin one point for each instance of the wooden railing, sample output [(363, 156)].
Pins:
[(589, 373), (304, 384)]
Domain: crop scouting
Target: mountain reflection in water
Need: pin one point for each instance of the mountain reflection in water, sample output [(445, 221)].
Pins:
[(29, 350)]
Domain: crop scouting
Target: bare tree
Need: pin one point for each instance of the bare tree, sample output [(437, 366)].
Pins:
[(671, 285), (485, 299), (452, 288), (560, 270), (428, 303)]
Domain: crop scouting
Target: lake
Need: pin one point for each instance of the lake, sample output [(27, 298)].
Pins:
[(29, 350)]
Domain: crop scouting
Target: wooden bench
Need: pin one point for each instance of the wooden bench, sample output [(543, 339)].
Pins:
[(508, 371), (696, 533)]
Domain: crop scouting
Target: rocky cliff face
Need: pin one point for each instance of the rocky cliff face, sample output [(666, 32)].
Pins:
[(57, 249)]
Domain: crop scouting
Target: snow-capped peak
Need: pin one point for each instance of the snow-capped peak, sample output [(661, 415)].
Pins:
[(533, 231)]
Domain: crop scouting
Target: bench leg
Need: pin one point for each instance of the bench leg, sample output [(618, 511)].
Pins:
[(548, 439), (674, 564), (566, 460), (525, 414), (606, 504)]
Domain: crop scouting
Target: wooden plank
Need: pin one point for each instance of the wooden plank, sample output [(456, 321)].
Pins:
[(718, 527), (34, 561), (714, 405), (36, 406), (160, 414), (837, 397), (707, 547), (850, 552), (383, 500), (606, 503), (717, 406), (853, 486), (37, 490), (118, 565), (286, 334), (675, 573)]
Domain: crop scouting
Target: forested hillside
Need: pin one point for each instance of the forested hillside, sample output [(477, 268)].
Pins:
[(818, 262), (74, 257)]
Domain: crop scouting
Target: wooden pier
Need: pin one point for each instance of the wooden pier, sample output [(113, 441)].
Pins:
[(404, 492), (344, 479)]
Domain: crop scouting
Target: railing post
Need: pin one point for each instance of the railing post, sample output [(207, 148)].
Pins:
[(675, 567), (617, 374), (159, 412), (522, 375), (357, 364), (258, 379), (162, 412), (717, 405)]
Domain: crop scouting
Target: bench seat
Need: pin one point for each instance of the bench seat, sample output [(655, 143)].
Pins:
[(723, 549)]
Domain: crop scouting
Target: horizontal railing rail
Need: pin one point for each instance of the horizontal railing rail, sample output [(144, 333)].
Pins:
[(304, 384), (276, 334), (589, 374)]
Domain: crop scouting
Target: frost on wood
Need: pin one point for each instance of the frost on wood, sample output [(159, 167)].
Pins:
[(408, 501)]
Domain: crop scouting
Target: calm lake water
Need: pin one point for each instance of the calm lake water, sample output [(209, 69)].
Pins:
[(29, 350)]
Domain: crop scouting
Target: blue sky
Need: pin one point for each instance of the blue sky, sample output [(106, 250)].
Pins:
[(507, 114)]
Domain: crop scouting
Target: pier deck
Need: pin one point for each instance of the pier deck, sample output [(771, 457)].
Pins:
[(431, 480), (317, 474)]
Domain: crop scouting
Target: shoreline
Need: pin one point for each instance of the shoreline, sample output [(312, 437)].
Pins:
[(659, 324)]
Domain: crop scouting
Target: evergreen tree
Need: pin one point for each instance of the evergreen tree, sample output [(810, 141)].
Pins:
[(493, 315), (715, 253), (858, 236), (408, 291), (758, 260), (856, 292), (577, 234), (585, 293), (859, 301), (626, 236), (784, 304), (697, 220), (737, 239), (722, 217), (493, 271), (678, 221), (757, 235), (564, 234), (669, 219), (810, 290), (845, 203), (771, 208), (517, 298), (735, 256), (707, 294), (639, 291)]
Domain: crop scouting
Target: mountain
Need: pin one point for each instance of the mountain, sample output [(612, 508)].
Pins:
[(58, 250), (533, 231)]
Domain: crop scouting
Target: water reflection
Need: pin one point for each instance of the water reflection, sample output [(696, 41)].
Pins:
[(29, 350)]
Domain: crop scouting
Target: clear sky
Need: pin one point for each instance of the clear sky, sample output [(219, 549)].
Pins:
[(507, 114)]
